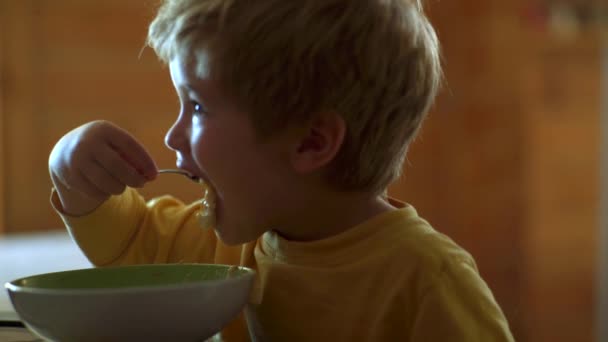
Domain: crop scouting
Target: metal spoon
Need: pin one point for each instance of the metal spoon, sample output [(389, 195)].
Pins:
[(181, 172)]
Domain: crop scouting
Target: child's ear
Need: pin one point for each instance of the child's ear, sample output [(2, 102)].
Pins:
[(319, 144)]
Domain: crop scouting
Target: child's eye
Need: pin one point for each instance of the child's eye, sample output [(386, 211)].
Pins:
[(198, 108)]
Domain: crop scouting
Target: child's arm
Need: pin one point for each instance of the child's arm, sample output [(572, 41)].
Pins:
[(459, 306), (127, 230), (94, 169)]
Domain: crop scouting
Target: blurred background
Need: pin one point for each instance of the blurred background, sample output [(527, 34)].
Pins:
[(510, 163)]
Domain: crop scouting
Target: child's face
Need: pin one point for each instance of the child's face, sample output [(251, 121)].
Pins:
[(216, 142)]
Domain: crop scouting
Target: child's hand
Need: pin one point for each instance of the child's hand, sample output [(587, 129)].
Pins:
[(95, 161)]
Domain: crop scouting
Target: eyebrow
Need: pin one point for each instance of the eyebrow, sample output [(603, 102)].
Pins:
[(191, 89), (202, 89)]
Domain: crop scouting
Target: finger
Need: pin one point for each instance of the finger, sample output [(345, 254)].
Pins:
[(99, 177), (81, 184), (133, 152), (124, 172)]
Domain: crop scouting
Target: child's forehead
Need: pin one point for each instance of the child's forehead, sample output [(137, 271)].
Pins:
[(190, 75)]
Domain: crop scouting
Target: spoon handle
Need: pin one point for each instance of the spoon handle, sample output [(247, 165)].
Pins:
[(181, 172)]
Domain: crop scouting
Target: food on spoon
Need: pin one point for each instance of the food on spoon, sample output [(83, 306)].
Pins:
[(206, 215)]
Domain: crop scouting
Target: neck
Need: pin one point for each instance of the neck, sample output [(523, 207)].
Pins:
[(330, 214)]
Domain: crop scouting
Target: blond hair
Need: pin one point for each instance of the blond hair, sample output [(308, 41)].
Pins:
[(374, 62)]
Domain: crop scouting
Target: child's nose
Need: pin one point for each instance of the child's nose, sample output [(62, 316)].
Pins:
[(176, 138)]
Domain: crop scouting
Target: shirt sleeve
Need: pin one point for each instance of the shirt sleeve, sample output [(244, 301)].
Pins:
[(459, 306), (128, 230)]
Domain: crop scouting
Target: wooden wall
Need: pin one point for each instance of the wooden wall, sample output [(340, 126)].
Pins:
[(66, 63), (466, 171), (562, 181), (507, 164), (2, 110)]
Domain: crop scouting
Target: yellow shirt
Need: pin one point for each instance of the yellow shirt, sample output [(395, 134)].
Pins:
[(392, 278)]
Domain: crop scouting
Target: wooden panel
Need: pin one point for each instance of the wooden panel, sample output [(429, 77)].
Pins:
[(3, 28), (508, 164), (465, 172), (602, 279), (563, 164), (22, 169)]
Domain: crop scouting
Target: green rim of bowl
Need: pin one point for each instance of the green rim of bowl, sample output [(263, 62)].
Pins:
[(132, 278)]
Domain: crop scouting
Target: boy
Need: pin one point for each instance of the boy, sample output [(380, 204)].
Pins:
[(297, 115)]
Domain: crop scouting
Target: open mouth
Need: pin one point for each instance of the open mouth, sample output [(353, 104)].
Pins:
[(207, 214)]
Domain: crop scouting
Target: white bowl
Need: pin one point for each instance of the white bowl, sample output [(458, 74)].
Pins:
[(171, 302)]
